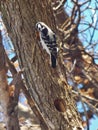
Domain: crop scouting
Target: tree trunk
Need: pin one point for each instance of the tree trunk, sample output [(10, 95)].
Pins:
[(47, 86), (8, 103), (4, 95)]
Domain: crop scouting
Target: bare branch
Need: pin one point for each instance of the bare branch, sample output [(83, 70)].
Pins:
[(61, 3)]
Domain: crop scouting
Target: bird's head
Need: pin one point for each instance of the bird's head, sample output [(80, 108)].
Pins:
[(41, 27)]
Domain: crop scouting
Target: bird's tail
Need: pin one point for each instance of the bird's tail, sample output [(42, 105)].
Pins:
[(53, 60)]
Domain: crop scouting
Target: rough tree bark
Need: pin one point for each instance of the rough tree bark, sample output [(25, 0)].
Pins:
[(47, 86)]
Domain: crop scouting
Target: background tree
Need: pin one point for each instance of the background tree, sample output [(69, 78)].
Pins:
[(51, 88)]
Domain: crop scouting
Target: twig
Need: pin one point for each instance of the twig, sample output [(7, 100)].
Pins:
[(61, 3), (73, 66), (85, 96)]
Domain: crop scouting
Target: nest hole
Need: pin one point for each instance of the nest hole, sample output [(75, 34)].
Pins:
[(60, 105)]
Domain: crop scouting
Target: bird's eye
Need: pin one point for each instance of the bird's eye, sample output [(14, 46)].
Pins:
[(40, 27)]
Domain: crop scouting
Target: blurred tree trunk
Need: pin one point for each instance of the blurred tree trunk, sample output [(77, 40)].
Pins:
[(7, 101), (4, 95), (48, 87)]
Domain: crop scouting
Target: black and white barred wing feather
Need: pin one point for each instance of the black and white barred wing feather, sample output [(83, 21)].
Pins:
[(48, 41)]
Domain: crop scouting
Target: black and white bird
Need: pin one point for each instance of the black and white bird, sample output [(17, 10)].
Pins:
[(48, 41)]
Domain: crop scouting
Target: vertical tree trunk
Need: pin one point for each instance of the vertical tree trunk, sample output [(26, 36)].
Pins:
[(47, 86)]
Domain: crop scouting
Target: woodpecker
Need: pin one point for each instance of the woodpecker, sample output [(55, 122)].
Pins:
[(48, 41)]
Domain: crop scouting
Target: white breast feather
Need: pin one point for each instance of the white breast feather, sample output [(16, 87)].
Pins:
[(44, 46)]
